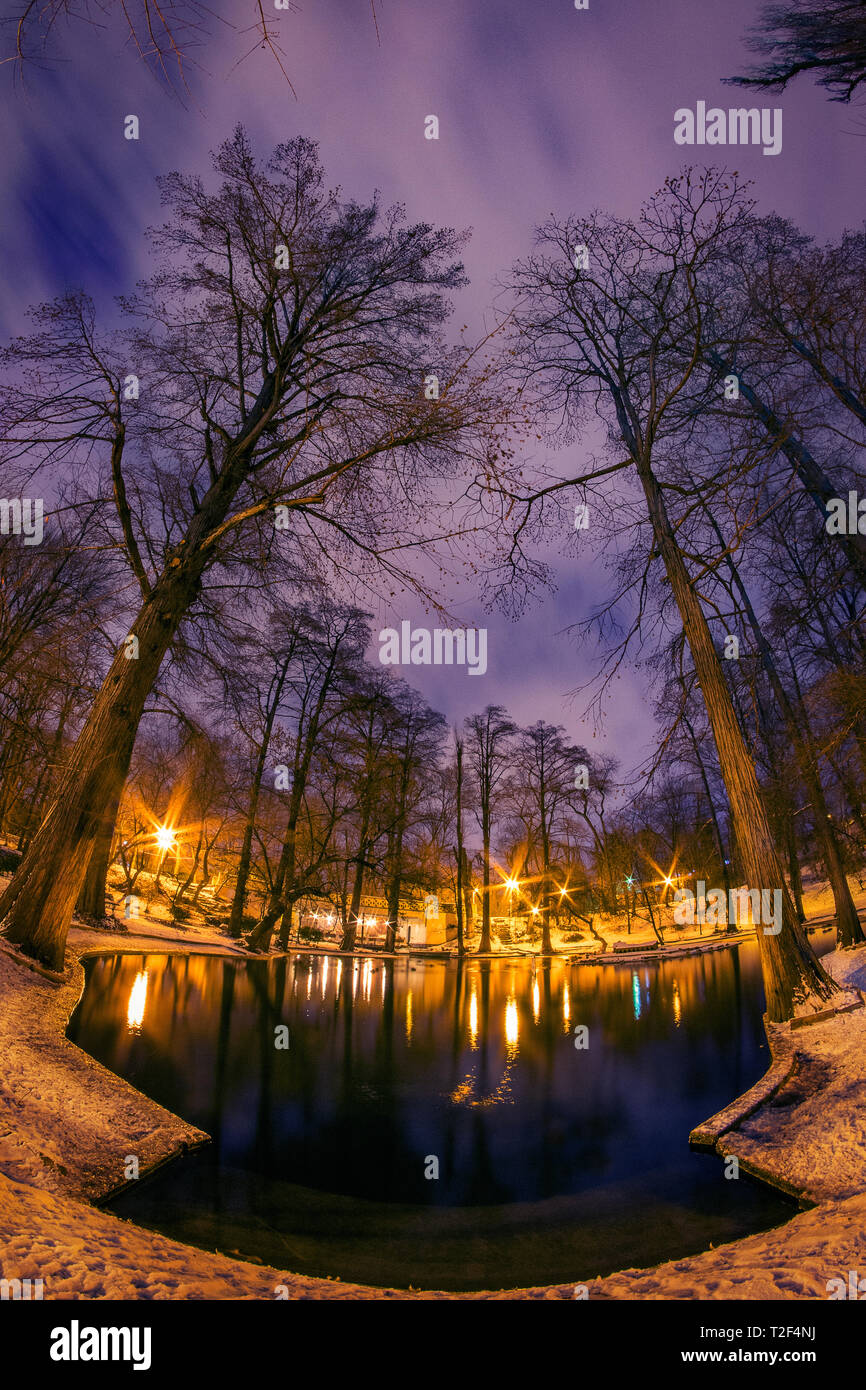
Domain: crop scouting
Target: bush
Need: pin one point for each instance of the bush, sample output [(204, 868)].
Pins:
[(179, 912), (9, 860), (310, 933)]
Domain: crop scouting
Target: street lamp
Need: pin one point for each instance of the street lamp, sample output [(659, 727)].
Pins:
[(164, 838)]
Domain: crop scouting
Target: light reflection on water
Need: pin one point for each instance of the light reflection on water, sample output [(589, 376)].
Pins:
[(556, 1161), (137, 1002)]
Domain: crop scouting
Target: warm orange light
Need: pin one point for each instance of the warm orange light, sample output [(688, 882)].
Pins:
[(164, 837), (137, 1000)]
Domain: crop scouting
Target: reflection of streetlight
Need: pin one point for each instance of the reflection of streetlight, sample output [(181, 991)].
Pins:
[(137, 999)]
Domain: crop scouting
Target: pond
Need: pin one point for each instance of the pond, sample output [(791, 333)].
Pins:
[(434, 1124)]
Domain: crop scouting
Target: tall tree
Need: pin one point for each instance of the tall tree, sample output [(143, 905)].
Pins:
[(611, 316), (321, 686), (488, 738), (415, 747), (545, 767), (282, 346)]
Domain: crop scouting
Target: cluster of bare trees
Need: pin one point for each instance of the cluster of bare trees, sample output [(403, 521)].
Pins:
[(263, 415), (722, 353), (257, 447)]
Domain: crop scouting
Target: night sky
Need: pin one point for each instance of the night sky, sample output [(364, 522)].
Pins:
[(542, 109)]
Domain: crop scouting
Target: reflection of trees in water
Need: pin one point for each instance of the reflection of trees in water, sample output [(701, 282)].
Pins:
[(227, 995), (487, 1078)]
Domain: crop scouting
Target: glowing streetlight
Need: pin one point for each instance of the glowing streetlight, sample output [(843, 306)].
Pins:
[(164, 837)]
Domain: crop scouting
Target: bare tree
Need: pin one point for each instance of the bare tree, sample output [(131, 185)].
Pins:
[(545, 766), (611, 316), (283, 344), (488, 755), (823, 37)]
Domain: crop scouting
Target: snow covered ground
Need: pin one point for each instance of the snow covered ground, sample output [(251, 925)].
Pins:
[(811, 1135), (83, 1253), (67, 1126)]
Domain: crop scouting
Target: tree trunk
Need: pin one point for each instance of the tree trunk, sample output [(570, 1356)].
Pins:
[(794, 871), (459, 848), (792, 972), (91, 899), (259, 938), (546, 945), (351, 927), (286, 923), (468, 905), (237, 913), (717, 829), (38, 903), (484, 943), (394, 889), (848, 929)]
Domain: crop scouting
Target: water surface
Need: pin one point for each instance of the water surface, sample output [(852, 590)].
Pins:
[(434, 1124)]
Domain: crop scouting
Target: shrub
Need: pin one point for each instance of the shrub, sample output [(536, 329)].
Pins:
[(9, 860), (310, 933)]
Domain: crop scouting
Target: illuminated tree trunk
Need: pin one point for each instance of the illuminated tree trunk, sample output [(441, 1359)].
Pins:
[(38, 903), (91, 899), (468, 904), (484, 943)]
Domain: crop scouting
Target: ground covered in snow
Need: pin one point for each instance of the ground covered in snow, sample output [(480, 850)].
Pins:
[(66, 1123), (67, 1126), (82, 1253), (811, 1134)]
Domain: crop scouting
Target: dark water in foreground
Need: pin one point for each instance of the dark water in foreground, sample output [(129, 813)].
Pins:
[(554, 1163)]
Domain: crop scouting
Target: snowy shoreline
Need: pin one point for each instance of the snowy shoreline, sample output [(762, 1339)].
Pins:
[(67, 1125)]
